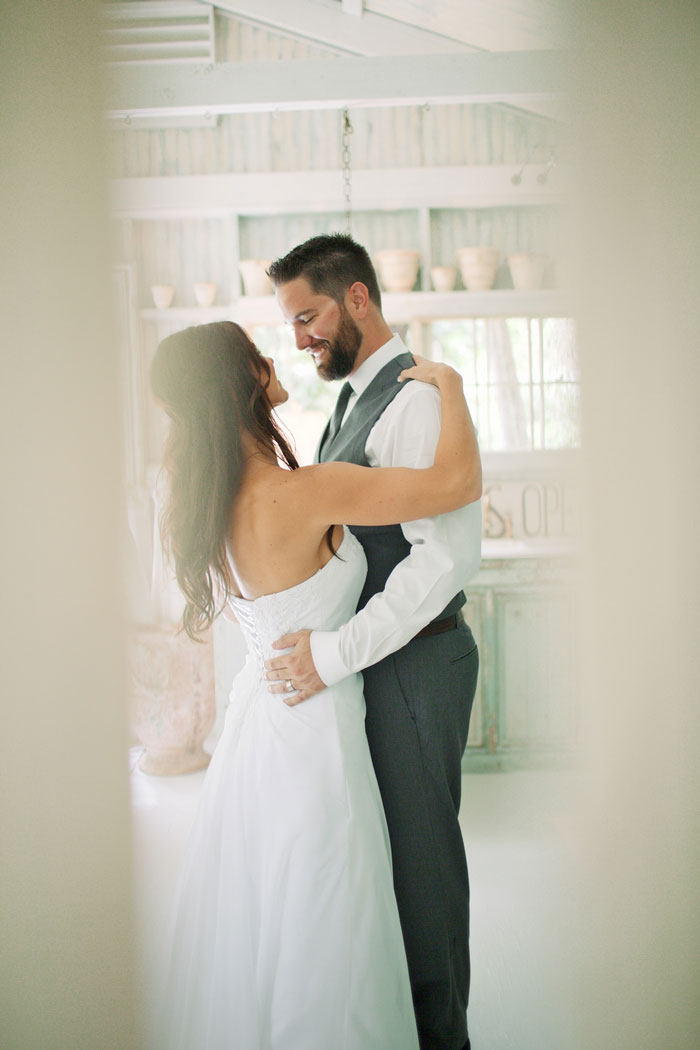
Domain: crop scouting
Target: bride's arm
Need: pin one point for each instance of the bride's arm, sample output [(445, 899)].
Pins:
[(344, 492)]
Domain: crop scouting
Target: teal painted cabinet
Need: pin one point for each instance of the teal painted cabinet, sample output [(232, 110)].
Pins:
[(522, 612)]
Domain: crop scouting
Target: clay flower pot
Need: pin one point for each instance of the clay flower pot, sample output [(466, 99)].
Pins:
[(204, 293), (255, 279), (162, 295), (443, 278), (527, 270), (478, 267), (173, 698), (398, 268)]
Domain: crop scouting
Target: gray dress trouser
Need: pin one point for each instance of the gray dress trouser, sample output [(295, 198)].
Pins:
[(419, 701)]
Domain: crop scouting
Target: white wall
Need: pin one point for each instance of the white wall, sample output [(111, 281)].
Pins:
[(636, 110), (65, 925)]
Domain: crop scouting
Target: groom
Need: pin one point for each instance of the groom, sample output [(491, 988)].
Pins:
[(418, 657)]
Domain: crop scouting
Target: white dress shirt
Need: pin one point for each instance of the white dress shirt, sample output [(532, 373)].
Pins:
[(445, 550)]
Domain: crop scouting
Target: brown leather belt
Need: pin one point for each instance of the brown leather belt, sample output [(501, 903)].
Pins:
[(439, 626)]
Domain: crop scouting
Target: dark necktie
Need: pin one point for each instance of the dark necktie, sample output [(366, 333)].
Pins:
[(339, 410)]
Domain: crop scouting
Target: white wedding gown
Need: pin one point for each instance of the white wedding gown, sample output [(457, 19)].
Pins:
[(285, 933)]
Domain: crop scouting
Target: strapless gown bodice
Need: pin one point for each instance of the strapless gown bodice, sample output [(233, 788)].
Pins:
[(285, 933), (324, 601)]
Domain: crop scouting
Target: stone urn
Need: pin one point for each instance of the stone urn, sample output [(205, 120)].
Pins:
[(398, 268), (162, 295), (173, 698), (254, 275), (443, 278), (204, 293), (478, 267), (527, 270)]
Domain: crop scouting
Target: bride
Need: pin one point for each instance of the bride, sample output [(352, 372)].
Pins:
[(285, 933)]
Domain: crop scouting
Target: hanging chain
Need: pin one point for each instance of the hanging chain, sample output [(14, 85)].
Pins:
[(347, 169)]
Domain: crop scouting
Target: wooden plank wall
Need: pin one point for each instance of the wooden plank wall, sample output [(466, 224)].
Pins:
[(180, 253)]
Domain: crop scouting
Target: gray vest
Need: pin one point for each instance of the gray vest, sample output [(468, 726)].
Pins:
[(384, 545)]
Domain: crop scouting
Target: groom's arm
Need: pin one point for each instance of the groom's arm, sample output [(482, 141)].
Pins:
[(445, 554), (445, 550)]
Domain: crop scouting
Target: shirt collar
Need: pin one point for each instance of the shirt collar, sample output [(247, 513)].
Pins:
[(361, 379)]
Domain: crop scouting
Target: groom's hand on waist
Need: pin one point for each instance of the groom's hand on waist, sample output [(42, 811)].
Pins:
[(295, 668)]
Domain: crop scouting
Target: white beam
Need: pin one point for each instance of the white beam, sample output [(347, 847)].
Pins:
[(324, 22), (235, 87), (489, 25), (260, 193), (146, 9), (352, 7)]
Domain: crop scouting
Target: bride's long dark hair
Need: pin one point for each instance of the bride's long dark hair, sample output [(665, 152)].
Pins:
[(211, 380)]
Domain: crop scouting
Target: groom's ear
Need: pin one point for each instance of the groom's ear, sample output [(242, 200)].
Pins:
[(357, 300)]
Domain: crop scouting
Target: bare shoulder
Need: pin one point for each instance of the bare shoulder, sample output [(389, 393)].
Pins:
[(305, 479), (317, 493), (316, 475), (314, 484), (287, 499)]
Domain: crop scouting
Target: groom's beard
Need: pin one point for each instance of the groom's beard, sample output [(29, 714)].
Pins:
[(342, 351)]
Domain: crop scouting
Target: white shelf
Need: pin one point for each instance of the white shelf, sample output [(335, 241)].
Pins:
[(196, 314), (553, 547), (419, 306), (398, 308), (231, 198)]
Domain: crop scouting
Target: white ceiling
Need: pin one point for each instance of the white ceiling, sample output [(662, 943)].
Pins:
[(493, 25), (387, 28), (503, 52), (371, 27)]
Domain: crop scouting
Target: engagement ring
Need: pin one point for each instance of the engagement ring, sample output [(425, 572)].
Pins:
[(289, 686)]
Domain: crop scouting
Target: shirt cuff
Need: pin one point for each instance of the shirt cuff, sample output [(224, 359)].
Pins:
[(325, 650)]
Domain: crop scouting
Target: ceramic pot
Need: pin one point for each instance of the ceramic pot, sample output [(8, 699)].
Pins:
[(443, 278), (162, 295), (398, 268), (255, 280), (204, 293), (527, 270), (478, 267), (173, 698)]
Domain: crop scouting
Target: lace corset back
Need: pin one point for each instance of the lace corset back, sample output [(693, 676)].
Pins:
[(324, 601)]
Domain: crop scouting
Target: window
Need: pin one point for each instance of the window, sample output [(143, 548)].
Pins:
[(311, 399), (521, 378)]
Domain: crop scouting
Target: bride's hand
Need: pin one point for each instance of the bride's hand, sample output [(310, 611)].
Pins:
[(433, 372)]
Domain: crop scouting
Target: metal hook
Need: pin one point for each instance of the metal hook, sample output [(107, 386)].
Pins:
[(544, 174), (347, 169)]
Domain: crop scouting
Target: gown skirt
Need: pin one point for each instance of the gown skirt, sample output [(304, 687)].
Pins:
[(284, 932)]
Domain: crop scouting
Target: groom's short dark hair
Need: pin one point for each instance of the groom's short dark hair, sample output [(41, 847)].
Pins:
[(330, 263)]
